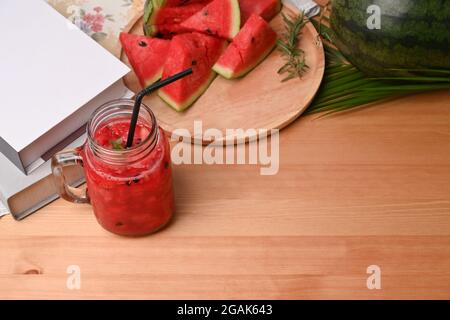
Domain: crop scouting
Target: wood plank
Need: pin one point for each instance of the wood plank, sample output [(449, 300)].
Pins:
[(226, 267)]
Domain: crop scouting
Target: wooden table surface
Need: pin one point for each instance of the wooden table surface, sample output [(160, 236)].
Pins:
[(369, 187)]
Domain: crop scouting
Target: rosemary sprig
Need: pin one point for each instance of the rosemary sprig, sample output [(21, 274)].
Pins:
[(288, 46)]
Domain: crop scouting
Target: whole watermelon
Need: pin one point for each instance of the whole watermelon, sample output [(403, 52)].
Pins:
[(413, 34)]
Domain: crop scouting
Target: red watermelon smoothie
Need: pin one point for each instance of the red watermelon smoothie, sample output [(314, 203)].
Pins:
[(130, 190)]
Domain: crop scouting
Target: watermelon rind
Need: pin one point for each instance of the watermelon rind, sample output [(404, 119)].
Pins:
[(230, 74), (236, 18), (156, 78), (194, 96), (148, 9), (150, 30), (158, 3), (150, 13), (151, 8), (224, 71), (152, 17)]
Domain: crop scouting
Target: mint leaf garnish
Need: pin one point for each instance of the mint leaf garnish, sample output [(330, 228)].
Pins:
[(117, 144)]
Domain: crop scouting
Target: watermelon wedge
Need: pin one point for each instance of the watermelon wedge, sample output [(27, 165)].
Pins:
[(188, 50), (267, 9), (221, 18), (164, 19), (252, 44), (172, 15), (146, 55)]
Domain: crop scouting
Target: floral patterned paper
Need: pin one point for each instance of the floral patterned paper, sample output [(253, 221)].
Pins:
[(102, 20)]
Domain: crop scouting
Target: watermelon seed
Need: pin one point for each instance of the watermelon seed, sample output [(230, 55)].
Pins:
[(194, 62), (208, 31), (253, 39), (205, 13), (142, 43), (136, 180), (119, 224), (166, 165)]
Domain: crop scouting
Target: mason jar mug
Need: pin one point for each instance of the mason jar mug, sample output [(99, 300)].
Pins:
[(130, 189)]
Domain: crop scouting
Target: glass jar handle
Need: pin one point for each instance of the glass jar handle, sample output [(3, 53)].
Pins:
[(66, 159)]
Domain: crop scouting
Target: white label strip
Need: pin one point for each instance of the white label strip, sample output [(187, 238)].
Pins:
[(309, 7)]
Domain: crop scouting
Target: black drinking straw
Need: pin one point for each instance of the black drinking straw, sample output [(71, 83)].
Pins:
[(146, 91)]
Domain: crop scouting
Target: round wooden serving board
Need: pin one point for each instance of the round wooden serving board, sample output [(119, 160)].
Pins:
[(258, 101)]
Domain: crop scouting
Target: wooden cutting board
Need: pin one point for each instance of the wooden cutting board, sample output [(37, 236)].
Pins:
[(258, 101)]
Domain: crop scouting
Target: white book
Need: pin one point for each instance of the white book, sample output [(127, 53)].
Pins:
[(52, 77), (3, 210), (23, 195)]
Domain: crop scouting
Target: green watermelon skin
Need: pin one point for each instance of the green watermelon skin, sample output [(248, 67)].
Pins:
[(414, 34), (146, 56), (220, 18), (190, 50), (248, 49), (267, 9)]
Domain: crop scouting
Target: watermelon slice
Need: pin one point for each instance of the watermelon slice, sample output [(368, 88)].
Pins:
[(146, 55), (173, 15), (252, 44), (168, 18), (220, 18), (188, 50), (267, 9)]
